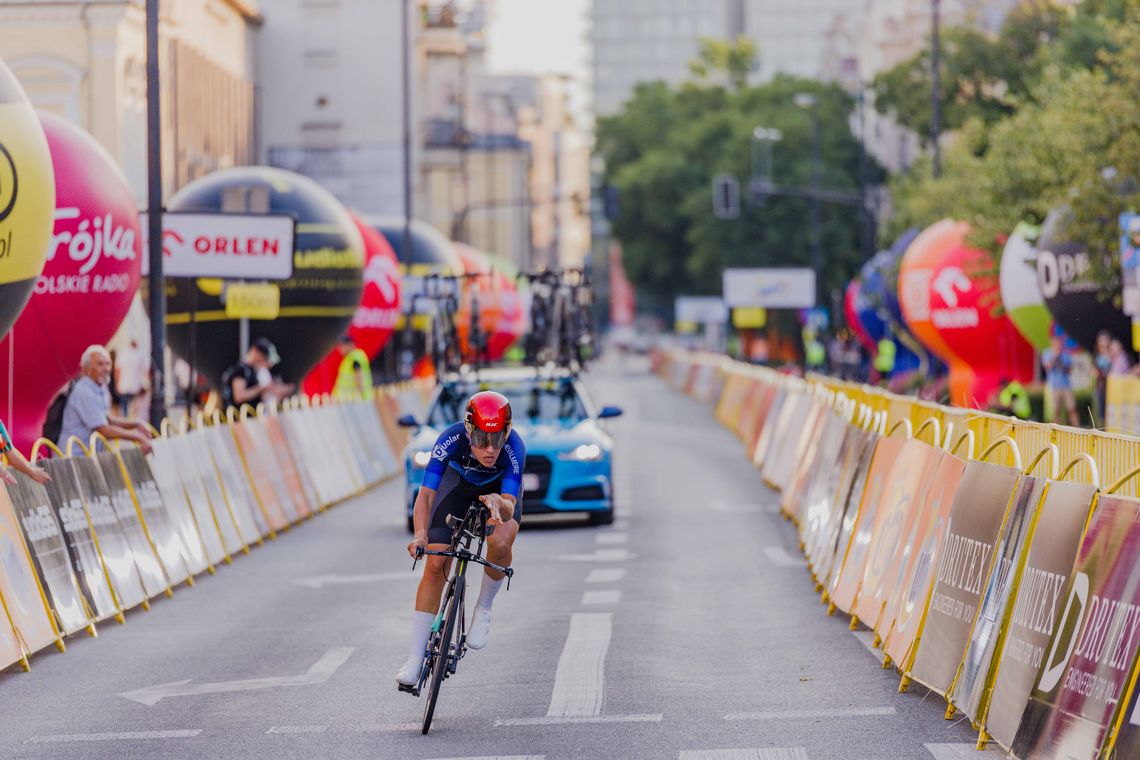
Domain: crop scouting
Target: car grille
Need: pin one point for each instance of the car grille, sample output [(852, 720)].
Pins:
[(540, 466), (584, 493)]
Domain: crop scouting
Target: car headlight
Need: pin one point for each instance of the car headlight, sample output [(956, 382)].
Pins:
[(587, 452), (421, 458)]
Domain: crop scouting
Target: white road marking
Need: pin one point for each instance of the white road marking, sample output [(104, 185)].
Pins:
[(962, 751), (612, 538), (867, 639), (498, 757), (580, 681), (840, 712), (297, 730), (779, 557), (320, 672), (387, 728), (178, 734), (599, 555), (606, 575), (319, 581), (604, 596), (736, 509), (561, 721), (761, 753)]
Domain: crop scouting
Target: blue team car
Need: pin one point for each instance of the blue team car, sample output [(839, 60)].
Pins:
[(569, 463)]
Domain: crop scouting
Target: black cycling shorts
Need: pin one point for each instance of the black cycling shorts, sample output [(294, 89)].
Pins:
[(454, 496)]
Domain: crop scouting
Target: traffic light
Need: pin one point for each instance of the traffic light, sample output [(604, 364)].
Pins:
[(726, 196)]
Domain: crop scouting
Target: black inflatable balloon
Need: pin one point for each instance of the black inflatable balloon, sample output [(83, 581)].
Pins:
[(430, 248), (317, 303), (1083, 299)]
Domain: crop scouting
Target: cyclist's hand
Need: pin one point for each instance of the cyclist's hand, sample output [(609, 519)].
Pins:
[(418, 544), (494, 504)]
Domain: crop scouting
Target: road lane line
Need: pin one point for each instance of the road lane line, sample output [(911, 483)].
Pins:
[(840, 712), (497, 757), (761, 753), (962, 752), (563, 721), (580, 681), (779, 557), (612, 538), (387, 728), (297, 730), (599, 555), (604, 596), (116, 736), (606, 575)]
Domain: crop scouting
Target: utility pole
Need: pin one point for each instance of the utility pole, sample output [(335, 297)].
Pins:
[(808, 102), (157, 285), (935, 89), (405, 52)]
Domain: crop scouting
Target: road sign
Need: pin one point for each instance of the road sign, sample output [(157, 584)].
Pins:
[(259, 301), (726, 196), (701, 310), (231, 246), (770, 288)]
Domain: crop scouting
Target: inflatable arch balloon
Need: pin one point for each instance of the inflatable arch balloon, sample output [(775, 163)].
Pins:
[(1020, 295), (27, 200), (87, 285), (879, 288), (317, 303), (950, 300)]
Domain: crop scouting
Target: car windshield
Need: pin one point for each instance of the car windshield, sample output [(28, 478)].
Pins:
[(531, 401)]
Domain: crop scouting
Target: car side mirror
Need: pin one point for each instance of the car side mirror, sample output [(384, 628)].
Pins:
[(407, 420), (610, 411)]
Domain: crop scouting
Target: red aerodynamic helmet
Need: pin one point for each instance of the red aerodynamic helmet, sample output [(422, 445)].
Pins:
[(488, 419)]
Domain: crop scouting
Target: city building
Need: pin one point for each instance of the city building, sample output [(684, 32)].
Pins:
[(86, 61)]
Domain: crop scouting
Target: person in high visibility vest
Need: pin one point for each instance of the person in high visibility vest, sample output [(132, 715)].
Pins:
[(1014, 398), (885, 357), (354, 378)]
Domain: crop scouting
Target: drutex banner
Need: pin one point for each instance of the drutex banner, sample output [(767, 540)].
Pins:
[(835, 532), (1036, 605), (904, 490), (906, 608), (976, 519), (158, 523), (1126, 742), (824, 480), (19, 590), (49, 552), (1089, 659), (847, 514), (978, 662)]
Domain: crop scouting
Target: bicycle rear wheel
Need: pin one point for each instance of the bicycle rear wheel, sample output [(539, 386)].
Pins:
[(443, 649)]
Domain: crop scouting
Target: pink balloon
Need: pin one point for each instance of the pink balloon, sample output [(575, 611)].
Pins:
[(86, 287), (851, 311)]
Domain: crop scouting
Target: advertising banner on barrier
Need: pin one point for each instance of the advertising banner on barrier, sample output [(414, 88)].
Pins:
[(821, 482), (63, 493), (846, 586), (1089, 658), (260, 474), (348, 420), (835, 534), (748, 422), (18, 586), (1036, 604), (291, 479), (202, 465), (907, 606), (150, 571), (118, 556), (311, 456), (164, 466), (1126, 742), (339, 444), (235, 491), (978, 662), (967, 558), (389, 411), (788, 440), (774, 407), (804, 464), (730, 398), (903, 492), (49, 551), (823, 501), (205, 518), (163, 534)]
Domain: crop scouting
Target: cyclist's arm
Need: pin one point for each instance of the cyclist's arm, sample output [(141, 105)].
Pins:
[(421, 513)]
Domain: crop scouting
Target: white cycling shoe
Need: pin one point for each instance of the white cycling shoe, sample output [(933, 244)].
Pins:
[(480, 628), (409, 674)]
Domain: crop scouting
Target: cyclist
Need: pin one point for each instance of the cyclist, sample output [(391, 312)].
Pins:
[(481, 457)]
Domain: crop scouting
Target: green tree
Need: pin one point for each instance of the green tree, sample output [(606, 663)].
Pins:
[(735, 59)]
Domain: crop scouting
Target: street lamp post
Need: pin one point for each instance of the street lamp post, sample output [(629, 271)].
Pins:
[(935, 90), (157, 292), (808, 102)]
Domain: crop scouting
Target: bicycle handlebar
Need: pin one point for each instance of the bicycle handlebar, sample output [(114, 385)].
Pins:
[(464, 554)]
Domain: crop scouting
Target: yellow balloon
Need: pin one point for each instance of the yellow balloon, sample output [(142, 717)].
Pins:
[(27, 199)]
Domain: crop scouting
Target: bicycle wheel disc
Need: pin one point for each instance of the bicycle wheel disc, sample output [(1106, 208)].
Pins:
[(439, 667)]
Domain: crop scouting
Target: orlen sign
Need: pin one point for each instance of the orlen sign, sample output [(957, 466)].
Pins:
[(229, 246)]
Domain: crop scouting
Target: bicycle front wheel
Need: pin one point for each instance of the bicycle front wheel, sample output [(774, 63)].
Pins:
[(443, 648)]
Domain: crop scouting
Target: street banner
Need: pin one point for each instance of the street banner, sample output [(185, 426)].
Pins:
[(228, 460), (822, 480), (150, 571), (348, 420), (823, 501), (906, 610), (289, 477), (204, 517), (748, 423), (846, 589), (118, 555), (19, 588), (843, 525), (302, 437), (264, 446), (976, 518), (229, 245), (1089, 658), (164, 466), (788, 440), (773, 404), (731, 398), (1036, 604), (781, 288), (202, 465), (805, 463), (49, 551), (334, 435), (905, 489), (261, 476), (1125, 740), (163, 533), (978, 663)]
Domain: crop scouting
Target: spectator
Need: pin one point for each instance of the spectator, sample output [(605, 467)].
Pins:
[(1014, 399), (354, 378), (131, 369), (18, 462), (251, 380), (884, 363), (1102, 363), (88, 408), (1058, 368)]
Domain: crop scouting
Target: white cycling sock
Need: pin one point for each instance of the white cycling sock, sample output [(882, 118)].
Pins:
[(488, 590), (421, 629)]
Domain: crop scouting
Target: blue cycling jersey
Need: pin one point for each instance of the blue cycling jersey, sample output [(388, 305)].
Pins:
[(453, 449)]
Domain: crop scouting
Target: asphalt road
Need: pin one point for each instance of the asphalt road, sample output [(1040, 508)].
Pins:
[(687, 630)]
